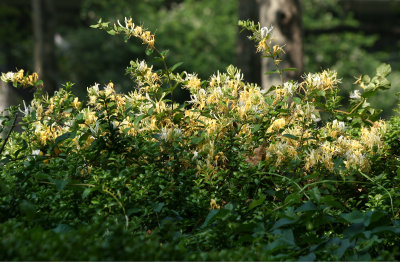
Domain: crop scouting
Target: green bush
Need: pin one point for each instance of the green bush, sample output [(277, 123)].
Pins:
[(235, 173)]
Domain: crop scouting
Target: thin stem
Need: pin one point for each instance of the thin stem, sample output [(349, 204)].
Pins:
[(104, 190), (352, 111), (291, 180), (120, 204), (390, 195), (168, 78)]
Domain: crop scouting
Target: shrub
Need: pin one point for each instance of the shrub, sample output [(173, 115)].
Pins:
[(282, 173)]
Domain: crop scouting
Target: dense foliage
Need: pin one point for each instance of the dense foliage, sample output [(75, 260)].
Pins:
[(236, 173)]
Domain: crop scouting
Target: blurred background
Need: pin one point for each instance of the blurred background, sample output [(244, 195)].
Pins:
[(54, 39)]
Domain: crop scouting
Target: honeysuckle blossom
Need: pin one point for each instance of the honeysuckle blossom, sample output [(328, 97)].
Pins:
[(355, 95), (265, 31)]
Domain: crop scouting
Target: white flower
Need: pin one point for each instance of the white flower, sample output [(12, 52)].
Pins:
[(265, 31), (355, 95), (290, 87), (8, 76), (339, 125), (93, 90), (36, 152), (195, 155), (142, 66), (164, 134), (27, 110), (239, 76)]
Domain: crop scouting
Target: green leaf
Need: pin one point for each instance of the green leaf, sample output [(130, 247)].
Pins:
[(27, 208), (256, 203), (384, 84), (86, 192), (111, 32), (61, 184), (316, 195), (63, 137), (369, 93), (62, 228), (366, 79), (344, 245), (289, 69), (158, 207), (197, 140), (24, 146), (309, 257), (255, 128), (297, 100), (291, 136), (383, 70), (308, 206), (149, 51), (211, 216), (175, 66), (331, 201), (164, 53), (354, 217), (138, 119), (292, 199), (272, 72), (283, 222), (4, 160)]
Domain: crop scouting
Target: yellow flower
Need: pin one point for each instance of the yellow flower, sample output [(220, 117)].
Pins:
[(262, 45), (19, 75), (90, 116), (109, 89), (137, 31), (92, 99), (76, 103), (277, 125), (214, 205), (193, 82)]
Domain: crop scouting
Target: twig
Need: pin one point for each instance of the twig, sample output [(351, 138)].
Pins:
[(9, 133)]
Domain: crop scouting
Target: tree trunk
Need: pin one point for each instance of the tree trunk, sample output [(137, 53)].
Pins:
[(285, 16), (246, 57), (43, 18), (8, 96)]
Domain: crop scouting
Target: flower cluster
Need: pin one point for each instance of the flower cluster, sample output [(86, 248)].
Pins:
[(19, 79), (327, 80), (129, 29), (276, 128)]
